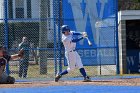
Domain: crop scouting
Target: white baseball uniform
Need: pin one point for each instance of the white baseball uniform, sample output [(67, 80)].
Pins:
[(73, 58)]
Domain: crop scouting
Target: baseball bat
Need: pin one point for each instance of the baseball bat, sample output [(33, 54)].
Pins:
[(89, 42)]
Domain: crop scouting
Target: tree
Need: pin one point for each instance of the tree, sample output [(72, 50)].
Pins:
[(129, 4), (43, 36)]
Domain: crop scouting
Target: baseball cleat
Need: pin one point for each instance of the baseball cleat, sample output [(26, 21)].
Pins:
[(57, 78), (87, 79)]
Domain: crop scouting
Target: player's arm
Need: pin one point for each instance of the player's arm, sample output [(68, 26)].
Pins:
[(84, 35), (77, 33), (77, 39), (19, 55), (15, 56), (65, 39)]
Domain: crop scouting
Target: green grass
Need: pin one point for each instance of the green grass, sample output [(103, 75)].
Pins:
[(34, 71)]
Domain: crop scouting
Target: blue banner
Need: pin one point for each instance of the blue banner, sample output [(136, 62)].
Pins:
[(133, 61), (98, 19)]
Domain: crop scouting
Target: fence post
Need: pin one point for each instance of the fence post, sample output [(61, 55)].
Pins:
[(117, 41), (54, 26), (59, 36), (43, 31), (6, 30)]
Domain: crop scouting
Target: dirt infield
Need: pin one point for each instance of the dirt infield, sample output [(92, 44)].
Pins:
[(114, 82)]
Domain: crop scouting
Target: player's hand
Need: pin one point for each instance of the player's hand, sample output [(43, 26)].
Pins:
[(21, 53), (84, 34)]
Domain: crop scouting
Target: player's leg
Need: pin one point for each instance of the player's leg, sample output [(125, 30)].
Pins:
[(25, 68), (5, 79), (83, 72), (71, 65), (59, 75), (81, 68), (21, 68), (1, 70), (10, 80)]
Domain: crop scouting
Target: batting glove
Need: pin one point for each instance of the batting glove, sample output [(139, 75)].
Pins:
[(84, 34)]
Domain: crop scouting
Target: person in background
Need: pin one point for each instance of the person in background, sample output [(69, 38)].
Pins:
[(24, 62)]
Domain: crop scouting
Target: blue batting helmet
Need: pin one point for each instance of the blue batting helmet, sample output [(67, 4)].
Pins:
[(65, 28)]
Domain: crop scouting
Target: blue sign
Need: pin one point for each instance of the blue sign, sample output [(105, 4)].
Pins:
[(98, 19), (133, 61)]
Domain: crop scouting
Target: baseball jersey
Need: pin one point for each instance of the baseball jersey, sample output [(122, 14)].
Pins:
[(26, 47), (67, 42)]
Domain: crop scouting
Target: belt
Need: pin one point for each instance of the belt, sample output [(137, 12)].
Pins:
[(72, 50)]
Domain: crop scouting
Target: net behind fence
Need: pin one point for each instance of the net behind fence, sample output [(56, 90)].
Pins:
[(40, 22)]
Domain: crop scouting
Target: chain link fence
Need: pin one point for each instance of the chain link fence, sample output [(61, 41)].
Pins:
[(40, 22)]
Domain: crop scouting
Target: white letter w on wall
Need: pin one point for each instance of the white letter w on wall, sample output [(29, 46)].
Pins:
[(88, 9)]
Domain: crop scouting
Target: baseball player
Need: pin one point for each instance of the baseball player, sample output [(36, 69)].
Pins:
[(73, 58), (4, 59)]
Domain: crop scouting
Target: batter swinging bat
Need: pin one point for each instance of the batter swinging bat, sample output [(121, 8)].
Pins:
[(89, 42)]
